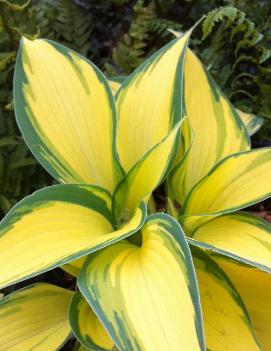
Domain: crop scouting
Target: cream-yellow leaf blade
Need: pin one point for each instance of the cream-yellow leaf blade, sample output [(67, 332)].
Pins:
[(153, 304), (226, 319), (66, 113), (217, 129), (35, 318), (253, 283), (86, 326), (74, 267), (252, 122), (57, 225), (236, 182), (241, 234), (144, 177), (150, 102), (115, 83)]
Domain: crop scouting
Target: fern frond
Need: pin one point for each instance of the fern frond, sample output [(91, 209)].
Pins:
[(66, 21), (265, 55), (6, 58), (217, 15), (160, 26), (130, 50), (15, 6)]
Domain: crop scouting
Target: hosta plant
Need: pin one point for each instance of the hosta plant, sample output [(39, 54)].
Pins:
[(145, 282)]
